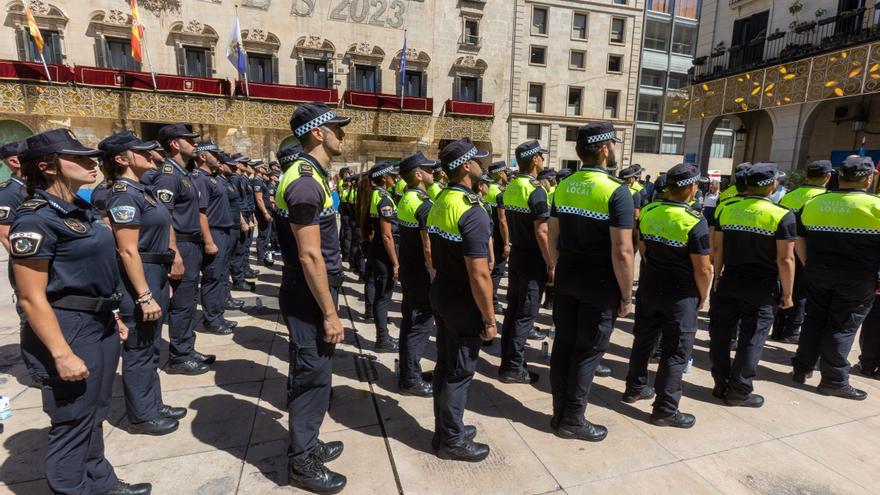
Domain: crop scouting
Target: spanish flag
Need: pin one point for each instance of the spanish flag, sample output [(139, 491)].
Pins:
[(32, 26), (137, 32)]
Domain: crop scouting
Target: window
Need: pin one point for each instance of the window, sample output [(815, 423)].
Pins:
[(51, 47), (471, 32), (575, 96), (468, 89), (538, 55), (414, 83), (364, 78), (577, 60), (649, 108), (536, 98), (571, 164), (657, 35), (119, 55), (579, 26), (684, 39), (618, 28), (664, 6), (722, 146), (539, 20), (611, 104), (687, 8), (646, 140), (678, 80), (533, 131), (196, 62), (571, 134), (315, 73), (672, 142), (615, 63), (619, 2), (652, 78), (261, 68)]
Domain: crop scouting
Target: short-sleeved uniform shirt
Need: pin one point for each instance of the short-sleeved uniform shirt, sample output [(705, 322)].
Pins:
[(411, 249), (305, 198), (258, 186), (100, 195), (847, 241), (79, 245), (132, 204), (175, 189), (386, 209), (12, 194), (234, 197), (214, 191), (268, 193), (245, 191), (521, 218), (448, 251), (668, 263), (749, 241)]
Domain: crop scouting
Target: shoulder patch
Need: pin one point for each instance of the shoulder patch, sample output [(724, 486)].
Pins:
[(4, 212), (4, 183), (122, 214), (185, 182), (120, 186), (75, 225), (165, 195), (695, 213), (422, 195), (305, 169), (533, 181), (167, 169), (383, 193), (473, 198), (25, 244), (33, 204)]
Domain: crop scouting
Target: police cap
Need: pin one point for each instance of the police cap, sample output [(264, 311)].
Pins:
[(856, 167), (124, 141), (415, 161), (313, 115), (496, 167), (173, 131), (14, 148), (456, 153), (763, 174), (683, 174), (529, 149), (819, 168), (381, 169), (631, 171), (61, 141), (547, 174)]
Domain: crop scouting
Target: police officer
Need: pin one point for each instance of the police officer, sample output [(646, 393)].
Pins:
[(357, 260), (225, 176), (240, 267), (263, 213), (379, 229), (64, 264), (738, 186), (754, 274), (526, 210), (500, 234), (215, 265), (787, 326), (342, 189), (142, 228), (674, 285), (630, 176), (309, 293), (440, 181), (461, 297), (12, 191), (287, 156), (547, 178), (175, 189), (100, 195), (399, 188), (416, 271), (592, 236), (839, 242)]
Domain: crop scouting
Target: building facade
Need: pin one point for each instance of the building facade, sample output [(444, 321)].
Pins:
[(796, 80), (346, 53), (573, 62)]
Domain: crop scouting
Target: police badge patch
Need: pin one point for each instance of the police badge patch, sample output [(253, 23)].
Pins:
[(165, 195), (4, 212), (167, 169), (75, 225), (25, 243), (185, 183), (122, 214), (119, 186)]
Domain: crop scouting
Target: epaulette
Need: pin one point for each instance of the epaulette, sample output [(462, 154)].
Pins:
[(213, 181), (533, 181), (4, 183), (32, 204), (167, 169), (473, 198), (305, 168), (119, 186), (694, 212)]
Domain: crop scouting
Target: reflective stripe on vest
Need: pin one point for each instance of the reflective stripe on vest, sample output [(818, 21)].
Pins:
[(667, 222), (585, 193), (796, 198), (757, 215), (848, 212), (516, 196), (293, 173), (409, 204), (451, 205)]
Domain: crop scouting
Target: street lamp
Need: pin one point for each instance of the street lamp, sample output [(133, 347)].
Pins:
[(740, 134)]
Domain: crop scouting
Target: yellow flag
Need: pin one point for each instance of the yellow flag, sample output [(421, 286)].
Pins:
[(32, 26)]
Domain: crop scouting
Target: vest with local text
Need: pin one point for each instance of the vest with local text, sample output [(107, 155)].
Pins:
[(796, 198), (754, 214), (668, 223), (585, 193), (847, 212)]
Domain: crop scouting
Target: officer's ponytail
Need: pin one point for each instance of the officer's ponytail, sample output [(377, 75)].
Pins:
[(33, 177), (365, 196), (111, 169)]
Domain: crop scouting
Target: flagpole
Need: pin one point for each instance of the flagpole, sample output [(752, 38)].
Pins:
[(403, 72), (247, 88), (42, 59), (149, 62)]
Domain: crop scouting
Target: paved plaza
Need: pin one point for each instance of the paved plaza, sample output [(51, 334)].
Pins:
[(234, 438)]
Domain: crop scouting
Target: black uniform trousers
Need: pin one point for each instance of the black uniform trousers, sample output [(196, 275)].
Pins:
[(140, 352), (584, 322), (418, 319), (184, 300), (837, 304), (751, 302), (356, 260), (788, 321), (498, 271), (672, 318), (239, 262), (215, 270), (264, 234), (459, 324), (869, 341), (309, 381), (344, 230), (234, 240), (75, 462), (526, 281), (379, 287)]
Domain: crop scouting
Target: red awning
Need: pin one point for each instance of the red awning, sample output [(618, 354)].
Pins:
[(34, 71), (142, 81)]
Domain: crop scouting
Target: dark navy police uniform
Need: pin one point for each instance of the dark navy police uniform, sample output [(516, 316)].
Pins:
[(215, 268)]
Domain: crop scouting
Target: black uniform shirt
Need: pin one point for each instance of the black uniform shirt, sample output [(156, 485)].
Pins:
[(411, 248), (234, 197), (175, 189), (669, 266), (386, 210), (79, 245), (257, 186), (247, 188), (100, 195), (134, 204), (214, 191), (475, 228), (521, 224), (12, 193), (842, 251)]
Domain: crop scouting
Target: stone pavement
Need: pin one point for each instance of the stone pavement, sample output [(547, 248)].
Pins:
[(235, 435)]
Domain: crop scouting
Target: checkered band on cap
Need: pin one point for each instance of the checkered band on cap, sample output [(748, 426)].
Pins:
[(314, 124), (598, 138), (381, 172), (531, 152), (454, 164), (766, 182), (687, 182), (206, 147), (288, 159), (860, 173)]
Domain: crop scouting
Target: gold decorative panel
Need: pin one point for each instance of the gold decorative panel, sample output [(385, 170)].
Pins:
[(402, 124), (707, 99), (786, 84), (838, 74), (12, 98), (872, 81), (458, 127), (677, 106), (743, 92)]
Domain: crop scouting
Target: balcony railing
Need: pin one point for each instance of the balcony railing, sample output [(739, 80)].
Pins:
[(470, 41), (470, 108), (806, 39), (283, 92), (379, 101)]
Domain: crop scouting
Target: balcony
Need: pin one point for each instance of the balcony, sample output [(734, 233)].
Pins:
[(34, 71), (470, 42), (469, 109), (379, 101), (281, 92), (143, 81), (808, 39)]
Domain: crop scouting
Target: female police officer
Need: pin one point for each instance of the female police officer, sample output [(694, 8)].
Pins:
[(64, 264), (142, 228)]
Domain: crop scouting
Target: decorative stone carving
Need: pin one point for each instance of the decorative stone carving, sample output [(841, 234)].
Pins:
[(117, 17), (256, 35), (314, 42), (194, 27), (363, 48), (39, 7)]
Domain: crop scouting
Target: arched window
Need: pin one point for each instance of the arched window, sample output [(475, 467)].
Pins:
[(194, 45), (365, 68), (51, 21), (315, 62), (112, 33), (468, 79), (262, 56)]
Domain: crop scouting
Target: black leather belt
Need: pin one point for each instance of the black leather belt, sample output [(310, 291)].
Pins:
[(165, 258), (89, 304), (196, 238)]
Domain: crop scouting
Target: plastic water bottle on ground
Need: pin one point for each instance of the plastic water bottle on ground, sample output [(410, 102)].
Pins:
[(5, 408), (690, 365), (545, 350)]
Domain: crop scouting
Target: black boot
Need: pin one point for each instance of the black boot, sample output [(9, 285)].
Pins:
[(188, 367), (751, 400), (845, 392), (123, 488), (419, 389), (203, 358), (678, 420), (468, 451), (329, 451), (387, 344), (633, 396), (157, 427), (602, 371), (311, 475), (587, 431), (470, 432), (167, 411)]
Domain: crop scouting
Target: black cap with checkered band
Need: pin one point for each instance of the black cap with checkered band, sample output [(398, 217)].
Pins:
[(313, 115)]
